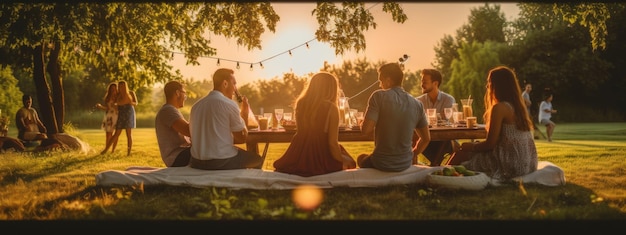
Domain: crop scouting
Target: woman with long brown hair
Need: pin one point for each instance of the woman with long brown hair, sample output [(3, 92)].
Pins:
[(315, 148), (110, 113), (509, 150)]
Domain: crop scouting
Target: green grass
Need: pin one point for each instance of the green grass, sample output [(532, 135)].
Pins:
[(61, 186)]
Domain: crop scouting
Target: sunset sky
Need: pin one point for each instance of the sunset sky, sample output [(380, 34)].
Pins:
[(426, 25)]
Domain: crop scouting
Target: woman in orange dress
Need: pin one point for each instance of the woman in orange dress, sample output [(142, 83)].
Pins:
[(315, 148)]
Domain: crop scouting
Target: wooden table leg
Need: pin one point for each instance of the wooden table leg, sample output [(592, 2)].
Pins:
[(267, 145), (252, 147)]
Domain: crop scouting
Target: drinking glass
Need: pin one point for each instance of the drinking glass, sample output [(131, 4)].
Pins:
[(269, 119), (287, 116), (457, 117), (448, 113), (467, 107), (279, 115), (432, 116), (359, 118)]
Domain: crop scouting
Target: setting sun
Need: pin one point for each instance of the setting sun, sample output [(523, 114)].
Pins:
[(426, 25), (302, 59)]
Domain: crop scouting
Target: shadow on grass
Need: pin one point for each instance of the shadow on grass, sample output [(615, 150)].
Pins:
[(392, 203)]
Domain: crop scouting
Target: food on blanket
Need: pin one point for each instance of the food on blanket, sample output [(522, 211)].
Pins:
[(469, 173), (448, 171), (457, 170), (307, 197), (460, 168)]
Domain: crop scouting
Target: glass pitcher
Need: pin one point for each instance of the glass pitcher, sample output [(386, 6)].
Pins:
[(467, 108), (344, 112)]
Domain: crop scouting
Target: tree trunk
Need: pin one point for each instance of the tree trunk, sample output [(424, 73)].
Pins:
[(46, 109), (58, 95)]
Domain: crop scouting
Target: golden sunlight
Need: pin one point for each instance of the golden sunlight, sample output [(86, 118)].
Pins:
[(296, 57), (307, 197)]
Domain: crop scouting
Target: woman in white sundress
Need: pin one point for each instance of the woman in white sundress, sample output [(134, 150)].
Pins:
[(509, 150), (111, 113)]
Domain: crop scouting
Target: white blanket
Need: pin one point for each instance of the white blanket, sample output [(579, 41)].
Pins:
[(546, 174)]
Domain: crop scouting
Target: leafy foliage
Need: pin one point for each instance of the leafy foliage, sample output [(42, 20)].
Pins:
[(134, 41), (11, 96), (551, 45), (469, 72), (343, 27)]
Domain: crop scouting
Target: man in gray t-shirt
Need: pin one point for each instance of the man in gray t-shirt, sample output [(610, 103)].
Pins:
[(393, 116), (172, 130)]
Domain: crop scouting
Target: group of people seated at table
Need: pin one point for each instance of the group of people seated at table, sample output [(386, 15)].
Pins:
[(396, 120), (30, 131)]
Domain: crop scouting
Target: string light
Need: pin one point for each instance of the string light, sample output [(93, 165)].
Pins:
[(122, 53), (403, 59)]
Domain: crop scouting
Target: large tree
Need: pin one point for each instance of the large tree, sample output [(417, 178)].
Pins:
[(557, 55), (134, 41), (470, 70), (485, 23)]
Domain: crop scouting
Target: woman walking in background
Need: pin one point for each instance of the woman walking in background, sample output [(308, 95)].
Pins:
[(110, 116), (545, 113), (125, 101)]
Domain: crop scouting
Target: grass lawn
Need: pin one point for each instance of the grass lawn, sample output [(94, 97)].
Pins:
[(61, 186)]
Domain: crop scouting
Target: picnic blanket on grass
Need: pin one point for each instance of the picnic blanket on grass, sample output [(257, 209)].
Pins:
[(546, 174)]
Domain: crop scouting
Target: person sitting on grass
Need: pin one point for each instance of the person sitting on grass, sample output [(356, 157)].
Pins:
[(509, 150), (172, 129), (30, 128), (315, 149), (392, 117)]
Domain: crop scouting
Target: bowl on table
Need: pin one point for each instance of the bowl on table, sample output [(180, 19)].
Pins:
[(289, 125)]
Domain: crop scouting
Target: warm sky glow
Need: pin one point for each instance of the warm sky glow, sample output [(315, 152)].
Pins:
[(427, 23)]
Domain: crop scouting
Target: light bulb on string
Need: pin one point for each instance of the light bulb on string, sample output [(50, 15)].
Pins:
[(251, 67), (218, 62), (261, 64), (307, 45), (403, 59), (238, 65), (290, 53)]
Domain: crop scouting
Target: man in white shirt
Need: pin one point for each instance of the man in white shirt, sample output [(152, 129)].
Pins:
[(217, 124)]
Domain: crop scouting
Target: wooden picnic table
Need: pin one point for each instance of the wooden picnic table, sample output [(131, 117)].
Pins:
[(282, 136)]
